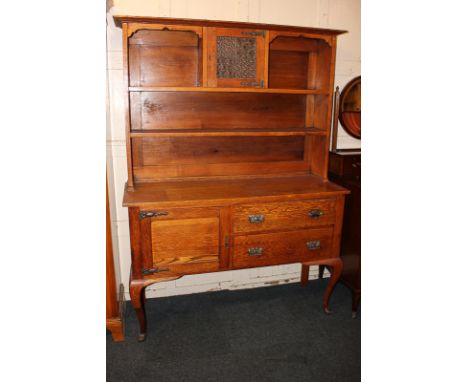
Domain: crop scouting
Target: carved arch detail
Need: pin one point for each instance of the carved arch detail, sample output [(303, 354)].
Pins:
[(275, 34), (134, 27)]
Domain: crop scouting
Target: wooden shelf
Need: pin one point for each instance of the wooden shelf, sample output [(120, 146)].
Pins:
[(219, 191), (225, 90), (225, 132)]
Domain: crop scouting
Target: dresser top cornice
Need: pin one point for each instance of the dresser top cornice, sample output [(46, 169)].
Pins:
[(119, 19)]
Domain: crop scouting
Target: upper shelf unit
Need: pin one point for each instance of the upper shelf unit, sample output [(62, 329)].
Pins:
[(221, 99), (166, 57)]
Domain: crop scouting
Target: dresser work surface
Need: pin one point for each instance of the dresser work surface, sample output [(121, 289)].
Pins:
[(228, 128)]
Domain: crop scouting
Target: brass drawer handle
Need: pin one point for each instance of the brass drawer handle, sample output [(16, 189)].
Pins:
[(256, 219), (312, 245), (255, 251), (151, 214), (315, 214)]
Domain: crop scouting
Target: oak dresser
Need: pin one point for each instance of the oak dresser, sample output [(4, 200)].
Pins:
[(228, 131)]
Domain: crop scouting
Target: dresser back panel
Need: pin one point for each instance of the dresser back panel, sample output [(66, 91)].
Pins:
[(188, 110), (153, 173), (191, 150), (288, 69)]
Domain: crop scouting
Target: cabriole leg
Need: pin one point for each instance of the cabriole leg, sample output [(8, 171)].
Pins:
[(137, 296), (336, 266)]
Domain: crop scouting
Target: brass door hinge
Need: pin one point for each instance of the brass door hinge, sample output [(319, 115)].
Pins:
[(151, 214), (248, 33), (253, 84), (150, 271)]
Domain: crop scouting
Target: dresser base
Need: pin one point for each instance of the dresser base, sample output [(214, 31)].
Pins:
[(204, 226)]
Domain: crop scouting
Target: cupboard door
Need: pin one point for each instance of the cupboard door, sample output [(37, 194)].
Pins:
[(236, 57), (181, 241), (184, 241)]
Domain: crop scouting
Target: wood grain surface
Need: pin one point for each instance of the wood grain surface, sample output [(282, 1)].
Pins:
[(218, 192), (283, 215), (189, 110), (185, 240), (282, 247)]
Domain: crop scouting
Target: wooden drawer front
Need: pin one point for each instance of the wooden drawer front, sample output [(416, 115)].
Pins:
[(186, 245), (286, 215), (282, 248)]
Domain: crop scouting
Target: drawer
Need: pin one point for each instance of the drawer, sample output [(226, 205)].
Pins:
[(283, 215), (282, 248)]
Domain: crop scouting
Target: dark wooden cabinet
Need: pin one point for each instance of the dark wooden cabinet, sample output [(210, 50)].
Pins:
[(228, 129), (345, 169)]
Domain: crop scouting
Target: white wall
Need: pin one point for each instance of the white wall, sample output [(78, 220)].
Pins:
[(338, 14)]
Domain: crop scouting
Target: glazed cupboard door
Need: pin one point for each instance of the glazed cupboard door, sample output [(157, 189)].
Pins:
[(235, 57), (180, 241)]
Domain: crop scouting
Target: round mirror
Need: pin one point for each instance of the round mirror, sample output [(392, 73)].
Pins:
[(350, 108)]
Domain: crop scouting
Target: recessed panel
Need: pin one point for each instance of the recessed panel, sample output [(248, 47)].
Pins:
[(164, 58), (185, 241), (154, 151), (188, 110)]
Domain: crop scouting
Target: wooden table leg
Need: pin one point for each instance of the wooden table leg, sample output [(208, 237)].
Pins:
[(336, 266), (137, 288), (304, 275), (137, 295)]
